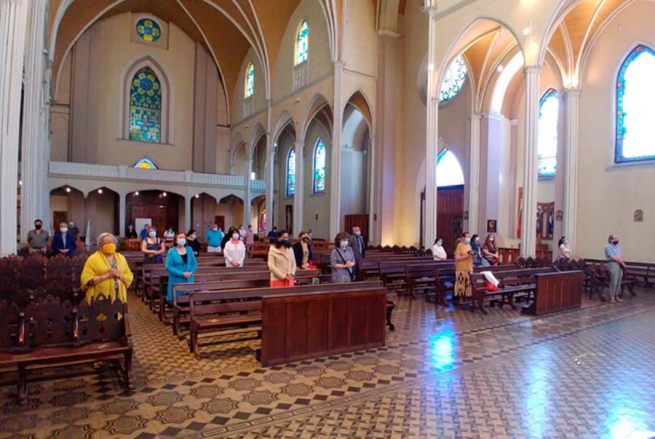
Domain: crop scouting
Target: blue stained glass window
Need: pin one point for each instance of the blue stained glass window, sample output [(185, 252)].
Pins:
[(250, 80), (145, 163), (635, 108), (145, 107), (454, 80), (291, 173), (449, 171), (319, 167), (148, 30), (302, 43), (548, 135)]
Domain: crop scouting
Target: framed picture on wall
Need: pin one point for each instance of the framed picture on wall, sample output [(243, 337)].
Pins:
[(639, 215), (491, 226)]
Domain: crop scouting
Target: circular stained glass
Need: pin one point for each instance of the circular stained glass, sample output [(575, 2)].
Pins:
[(454, 80), (148, 30)]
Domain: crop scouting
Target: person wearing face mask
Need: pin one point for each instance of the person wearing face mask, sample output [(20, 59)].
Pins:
[(181, 264), (250, 238), (131, 233), (438, 252), (475, 246), (192, 242), (302, 251), (214, 236), (282, 262), (342, 260), (615, 266), (234, 250), (490, 252), (464, 256), (153, 248), (356, 242), (63, 242), (106, 271), (37, 239), (564, 249), (228, 235)]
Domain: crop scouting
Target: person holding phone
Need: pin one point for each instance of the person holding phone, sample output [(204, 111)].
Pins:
[(464, 256)]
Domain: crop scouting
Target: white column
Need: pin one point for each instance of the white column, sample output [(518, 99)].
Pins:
[(13, 23), (299, 195), (334, 170), (474, 174), (270, 182), (122, 212), (187, 212), (432, 135), (34, 163), (570, 208), (529, 221), (246, 202)]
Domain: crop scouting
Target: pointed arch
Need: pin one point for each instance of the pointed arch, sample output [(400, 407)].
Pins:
[(256, 135), (315, 107), (449, 170), (361, 102), (635, 110), (548, 133), (145, 163)]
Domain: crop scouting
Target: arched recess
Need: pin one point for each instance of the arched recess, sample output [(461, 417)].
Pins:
[(320, 109), (257, 133), (284, 143), (203, 213), (235, 144), (167, 93)]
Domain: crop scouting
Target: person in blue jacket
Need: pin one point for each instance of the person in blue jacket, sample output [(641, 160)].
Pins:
[(181, 264), (63, 243)]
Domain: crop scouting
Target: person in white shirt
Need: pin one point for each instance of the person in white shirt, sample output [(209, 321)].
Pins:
[(169, 235), (234, 251), (242, 233), (438, 252), (564, 249)]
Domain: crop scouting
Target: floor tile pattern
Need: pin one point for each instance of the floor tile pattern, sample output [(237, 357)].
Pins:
[(444, 373)]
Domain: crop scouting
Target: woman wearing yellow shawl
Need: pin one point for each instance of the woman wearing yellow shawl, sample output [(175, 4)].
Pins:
[(106, 272)]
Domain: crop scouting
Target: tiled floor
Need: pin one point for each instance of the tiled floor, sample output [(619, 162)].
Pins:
[(445, 373)]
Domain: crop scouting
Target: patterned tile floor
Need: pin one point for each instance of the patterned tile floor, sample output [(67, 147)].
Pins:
[(589, 373)]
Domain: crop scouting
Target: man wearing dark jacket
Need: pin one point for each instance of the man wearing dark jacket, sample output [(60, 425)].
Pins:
[(303, 251), (356, 242)]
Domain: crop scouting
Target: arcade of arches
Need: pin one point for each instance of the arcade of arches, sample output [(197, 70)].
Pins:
[(417, 118)]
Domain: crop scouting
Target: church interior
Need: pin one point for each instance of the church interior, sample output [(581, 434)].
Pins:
[(413, 121)]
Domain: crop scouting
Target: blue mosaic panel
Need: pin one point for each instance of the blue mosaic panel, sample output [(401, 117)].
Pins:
[(548, 136), (145, 163), (302, 43), (145, 107), (148, 30), (454, 80), (319, 167), (250, 81), (291, 173), (635, 111)]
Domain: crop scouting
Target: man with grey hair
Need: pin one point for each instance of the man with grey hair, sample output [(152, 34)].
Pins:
[(615, 266)]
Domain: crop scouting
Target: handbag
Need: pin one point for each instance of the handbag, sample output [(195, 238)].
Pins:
[(352, 275)]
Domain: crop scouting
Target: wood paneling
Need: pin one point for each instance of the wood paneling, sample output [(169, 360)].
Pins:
[(164, 211), (556, 292)]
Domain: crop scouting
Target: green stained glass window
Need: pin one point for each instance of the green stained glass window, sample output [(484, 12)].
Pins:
[(291, 173), (319, 167), (148, 30), (454, 80), (302, 43), (145, 107), (250, 81)]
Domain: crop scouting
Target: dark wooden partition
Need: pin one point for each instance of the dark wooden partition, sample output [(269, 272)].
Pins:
[(556, 292), (302, 326)]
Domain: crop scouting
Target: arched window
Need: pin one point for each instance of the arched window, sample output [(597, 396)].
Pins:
[(145, 163), (449, 171), (250, 81), (145, 106), (547, 131), (319, 167), (635, 107), (454, 80), (291, 172), (302, 43)]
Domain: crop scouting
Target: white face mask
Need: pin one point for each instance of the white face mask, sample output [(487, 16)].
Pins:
[(235, 236), (439, 243), (152, 234), (181, 242), (215, 229), (343, 244), (193, 236), (63, 229), (491, 239)]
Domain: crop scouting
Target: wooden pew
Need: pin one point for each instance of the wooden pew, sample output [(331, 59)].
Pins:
[(643, 270), (53, 333), (557, 291), (423, 277), (512, 282)]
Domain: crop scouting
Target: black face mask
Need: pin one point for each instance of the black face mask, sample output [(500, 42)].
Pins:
[(305, 239), (38, 226), (615, 242), (284, 243)]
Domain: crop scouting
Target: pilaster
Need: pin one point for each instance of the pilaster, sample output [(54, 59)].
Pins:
[(247, 207), (474, 173), (570, 208), (299, 195), (335, 164), (432, 134)]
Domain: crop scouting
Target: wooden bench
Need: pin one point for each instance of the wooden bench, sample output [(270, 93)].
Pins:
[(53, 333), (423, 277), (556, 291), (512, 282), (634, 270)]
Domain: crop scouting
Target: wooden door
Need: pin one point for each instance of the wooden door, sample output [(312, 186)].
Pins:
[(59, 217), (220, 221), (361, 221), (450, 212)]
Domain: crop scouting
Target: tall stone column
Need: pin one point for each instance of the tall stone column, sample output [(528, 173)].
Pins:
[(474, 173), (122, 212), (34, 163), (13, 24), (335, 165), (299, 195), (269, 170), (187, 212), (246, 202), (570, 208), (432, 134), (530, 178)]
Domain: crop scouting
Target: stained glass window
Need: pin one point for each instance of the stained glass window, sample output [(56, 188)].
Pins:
[(291, 173), (547, 146), (454, 80), (250, 80), (449, 171), (148, 30), (145, 163), (635, 108), (145, 107), (319, 167), (302, 43)]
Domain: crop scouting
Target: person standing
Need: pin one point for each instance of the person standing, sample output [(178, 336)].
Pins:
[(152, 248), (181, 264), (144, 233), (37, 239), (564, 249), (302, 251), (242, 232), (73, 230), (356, 243), (273, 235), (192, 242), (131, 233), (475, 246), (234, 251), (214, 236), (464, 256), (615, 266), (63, 242), (282, 262), (438, 252), (490, 256), (342, 260), (106, 272), (250, 238)]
